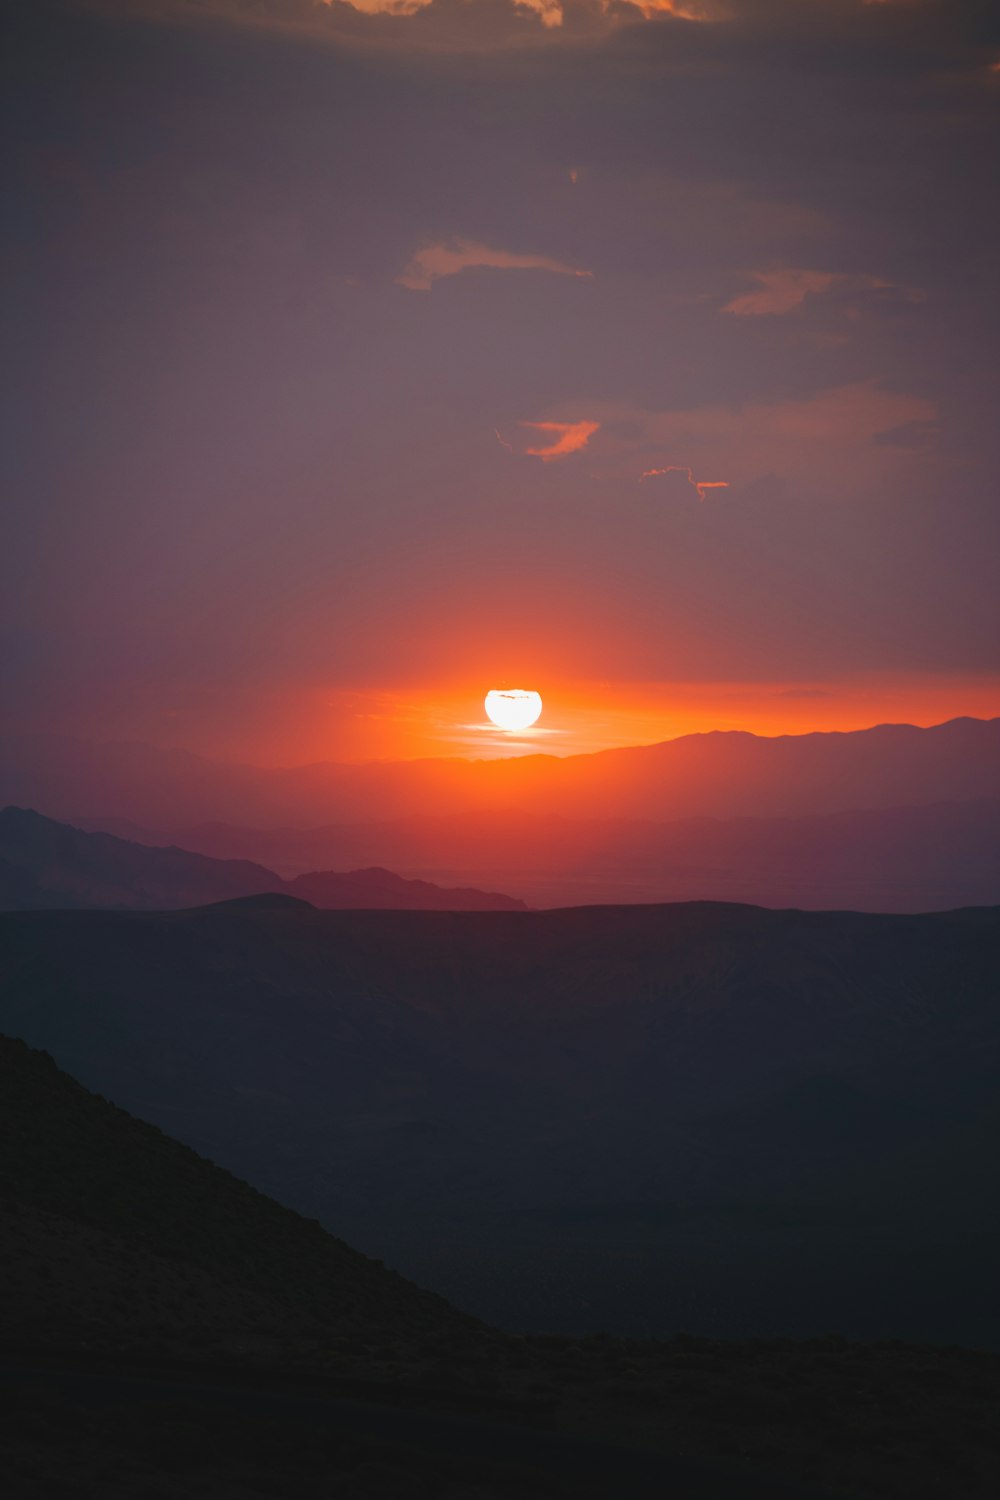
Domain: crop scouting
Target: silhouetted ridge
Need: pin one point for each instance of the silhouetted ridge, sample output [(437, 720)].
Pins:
[(125, 1234), (266, 901), (720, 774), (396, 1073), (48, 865), (139, 1282)]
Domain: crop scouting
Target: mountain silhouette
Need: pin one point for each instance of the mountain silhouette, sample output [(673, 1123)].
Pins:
[(896, 859), (720, 774), (127, 1239), (50, 865), (166, 1328), (808, 1098)]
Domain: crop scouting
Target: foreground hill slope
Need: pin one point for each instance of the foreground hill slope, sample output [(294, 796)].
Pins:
[(45, 865), (116, 1236), (165, 1330), (756, 1119)]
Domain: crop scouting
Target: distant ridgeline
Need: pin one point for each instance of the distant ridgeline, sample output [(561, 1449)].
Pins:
[(716, 775), (894, 818), (49, 865)]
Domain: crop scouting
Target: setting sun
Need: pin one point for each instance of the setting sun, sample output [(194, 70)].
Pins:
[(513, 708)]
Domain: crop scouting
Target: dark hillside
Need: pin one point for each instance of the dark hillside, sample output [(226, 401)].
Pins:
[(119, 1236), (799, 1111), (166, 1331)]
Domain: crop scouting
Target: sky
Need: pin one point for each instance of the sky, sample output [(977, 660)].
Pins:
[(363, 357)]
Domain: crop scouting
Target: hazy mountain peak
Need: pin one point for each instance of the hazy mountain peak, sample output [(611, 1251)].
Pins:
[(48, 864)]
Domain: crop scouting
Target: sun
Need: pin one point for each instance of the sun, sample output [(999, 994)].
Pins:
[(513, 708)]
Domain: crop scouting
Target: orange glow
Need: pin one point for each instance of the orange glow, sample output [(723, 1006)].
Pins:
[(307, 723), (549, 12), (385, 7), (567, 438), (676, 8)]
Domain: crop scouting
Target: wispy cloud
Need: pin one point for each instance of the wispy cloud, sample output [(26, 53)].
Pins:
[(700, 486), (651, 9), (829, 441), (551, 13), (782, 291), (383, 7), (436, 261), (564, 438), (426, 23)]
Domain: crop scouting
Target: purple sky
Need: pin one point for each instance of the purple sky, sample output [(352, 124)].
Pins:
[(338, 345)]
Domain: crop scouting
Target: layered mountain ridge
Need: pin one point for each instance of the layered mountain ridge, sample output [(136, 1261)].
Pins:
[(50, 865), (719, 774), (894, 818)]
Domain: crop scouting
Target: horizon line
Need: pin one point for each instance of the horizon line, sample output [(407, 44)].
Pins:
[(481, 760)]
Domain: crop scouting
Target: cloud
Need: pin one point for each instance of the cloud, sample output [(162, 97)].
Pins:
[(836, 441), (445, 24), (551, 13), (383, 7), (782, 291), (434, 262), (917, 434), (651, 9), (701, 486), (566, 438)]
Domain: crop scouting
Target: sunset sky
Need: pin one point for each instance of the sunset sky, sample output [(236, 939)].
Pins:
[(363, 357)]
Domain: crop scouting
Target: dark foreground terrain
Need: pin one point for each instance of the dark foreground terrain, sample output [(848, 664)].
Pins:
[(167, 1331), (720, 1118)]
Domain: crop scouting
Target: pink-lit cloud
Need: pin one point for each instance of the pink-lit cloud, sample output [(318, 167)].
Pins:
[(700, 486), (427, 23), (832, 441), (436, 261), (651, 9), (551, 13), (564, 438), (383, 7), (781, 291)]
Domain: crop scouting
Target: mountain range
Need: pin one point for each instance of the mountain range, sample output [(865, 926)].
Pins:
[(893, 819), (719, 775), (897, 859), (50, 865)]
